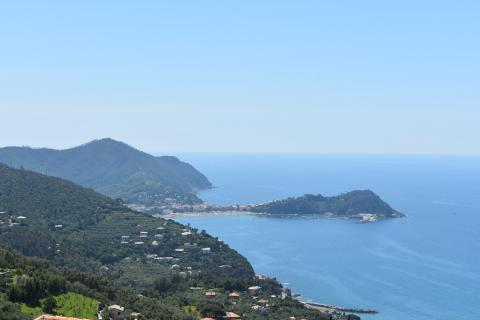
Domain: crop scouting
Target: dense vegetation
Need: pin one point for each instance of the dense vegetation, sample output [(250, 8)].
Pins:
[(114, 169), (347, 204), (79, 230), (33, 286), (74, 226)]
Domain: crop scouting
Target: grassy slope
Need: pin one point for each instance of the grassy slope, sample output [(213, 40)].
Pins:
[(69, 304)]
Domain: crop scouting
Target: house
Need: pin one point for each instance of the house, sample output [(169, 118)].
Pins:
[(232, 315), (262, 302), (260, 277), (139, 242), (210, 294), (254, 290), (190, 245), (206, 250), (116, 311), (234, 297), (154, 243), (258, 308), (179, 250), (135, 316)]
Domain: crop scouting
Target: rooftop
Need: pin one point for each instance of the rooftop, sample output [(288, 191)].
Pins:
[(48, 317), (232, 315)]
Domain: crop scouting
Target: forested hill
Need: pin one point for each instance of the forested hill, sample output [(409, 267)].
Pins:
[(350, 204), (157, 267), (77, 227), (115, 169)]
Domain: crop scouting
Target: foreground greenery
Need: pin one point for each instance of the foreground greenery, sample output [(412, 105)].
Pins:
[(160, 270), (68, 304)]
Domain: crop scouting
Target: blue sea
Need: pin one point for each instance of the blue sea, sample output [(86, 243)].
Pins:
[(426, 266)]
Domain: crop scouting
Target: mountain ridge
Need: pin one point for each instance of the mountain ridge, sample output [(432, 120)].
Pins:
[(115, 169)]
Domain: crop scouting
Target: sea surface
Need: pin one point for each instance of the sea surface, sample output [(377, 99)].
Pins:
[(426, 266)]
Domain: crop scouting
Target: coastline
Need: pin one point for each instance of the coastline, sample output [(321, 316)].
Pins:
[(331, 308), (207, 214), (361, 218)]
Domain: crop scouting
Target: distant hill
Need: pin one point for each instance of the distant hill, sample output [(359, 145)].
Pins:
[(351, 204), (115, 169)]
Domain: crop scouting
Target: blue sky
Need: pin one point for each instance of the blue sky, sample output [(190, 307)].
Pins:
[(243, 76)]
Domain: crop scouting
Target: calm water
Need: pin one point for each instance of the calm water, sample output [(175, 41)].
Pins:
[(424, 267)]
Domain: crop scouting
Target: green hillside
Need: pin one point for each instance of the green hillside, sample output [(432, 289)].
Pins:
[(78, 231), (348, 204), (73, 226), (115, 169), (69, 304), (29, 283)]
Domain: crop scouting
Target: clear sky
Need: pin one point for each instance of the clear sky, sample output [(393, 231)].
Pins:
[(243, 76)]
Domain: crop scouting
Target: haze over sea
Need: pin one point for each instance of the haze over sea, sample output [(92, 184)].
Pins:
[(426, 266)]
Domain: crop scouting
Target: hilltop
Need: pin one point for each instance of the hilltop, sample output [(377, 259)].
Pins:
[(362, 204), (114, 169)]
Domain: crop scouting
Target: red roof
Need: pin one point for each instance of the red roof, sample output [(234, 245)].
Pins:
[(232, 315)]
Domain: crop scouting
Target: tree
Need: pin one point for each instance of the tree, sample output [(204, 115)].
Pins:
[(49, 305)]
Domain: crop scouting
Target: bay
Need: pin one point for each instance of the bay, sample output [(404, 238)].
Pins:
[(426, 266)]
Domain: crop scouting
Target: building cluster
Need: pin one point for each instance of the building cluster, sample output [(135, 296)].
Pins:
[(11, 220)]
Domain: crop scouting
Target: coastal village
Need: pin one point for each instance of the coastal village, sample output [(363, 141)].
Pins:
[(258, 301), (151, 237), (356, 205)]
